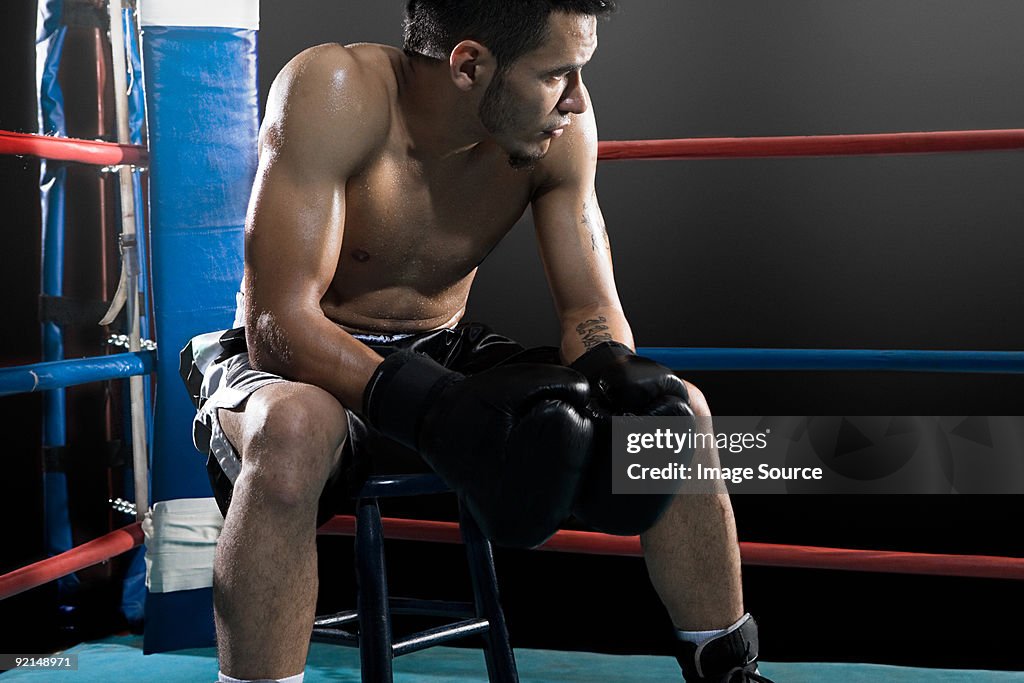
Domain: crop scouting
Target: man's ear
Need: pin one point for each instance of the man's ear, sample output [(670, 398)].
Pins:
[(471, 65)]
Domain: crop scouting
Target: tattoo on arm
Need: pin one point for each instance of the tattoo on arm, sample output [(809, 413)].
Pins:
[(593, 332), (596, 228)]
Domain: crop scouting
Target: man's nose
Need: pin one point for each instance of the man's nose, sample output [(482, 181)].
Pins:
[(573, 101)]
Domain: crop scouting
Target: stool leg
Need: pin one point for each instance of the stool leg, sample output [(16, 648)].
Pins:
[(501, 663), (375, 654)]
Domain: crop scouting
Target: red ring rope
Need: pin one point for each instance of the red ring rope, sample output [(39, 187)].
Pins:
[(814, 145), (95, 551), (753, 554), (70, 149), (106, 153), (581, 542)]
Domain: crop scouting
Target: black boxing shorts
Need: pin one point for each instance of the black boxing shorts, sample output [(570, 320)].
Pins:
[(217, 372)]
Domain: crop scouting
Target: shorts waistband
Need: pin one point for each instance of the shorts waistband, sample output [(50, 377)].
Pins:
[(378, 338), (383, 338)]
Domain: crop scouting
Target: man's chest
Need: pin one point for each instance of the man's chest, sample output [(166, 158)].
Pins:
[(417, 219)]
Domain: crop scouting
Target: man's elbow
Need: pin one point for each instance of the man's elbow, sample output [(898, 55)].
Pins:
[(270, 346)]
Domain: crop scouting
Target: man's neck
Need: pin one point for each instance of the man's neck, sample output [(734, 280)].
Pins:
[(441, 120)]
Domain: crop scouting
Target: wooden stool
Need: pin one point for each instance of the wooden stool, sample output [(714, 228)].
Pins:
[(377, 648)]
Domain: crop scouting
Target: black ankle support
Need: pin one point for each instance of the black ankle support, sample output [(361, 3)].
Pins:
[(724, 657)]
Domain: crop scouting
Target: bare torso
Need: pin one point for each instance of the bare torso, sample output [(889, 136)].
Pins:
[(380, 190), (416, 228)]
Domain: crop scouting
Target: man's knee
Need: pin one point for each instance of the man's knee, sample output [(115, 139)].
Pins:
[(698, 403), (292, 441)]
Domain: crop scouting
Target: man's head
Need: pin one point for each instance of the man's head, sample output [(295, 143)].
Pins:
[(509, 28), (533, 51)]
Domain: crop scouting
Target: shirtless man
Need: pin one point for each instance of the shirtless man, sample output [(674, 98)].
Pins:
[(385, 179)]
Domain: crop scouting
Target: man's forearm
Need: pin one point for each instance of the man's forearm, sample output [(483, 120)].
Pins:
[(586, 329), (311, 349)]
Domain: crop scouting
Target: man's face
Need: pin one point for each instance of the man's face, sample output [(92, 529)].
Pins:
[(528, 105)]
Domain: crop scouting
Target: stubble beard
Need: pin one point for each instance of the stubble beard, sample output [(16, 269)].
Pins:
[(496, 113)]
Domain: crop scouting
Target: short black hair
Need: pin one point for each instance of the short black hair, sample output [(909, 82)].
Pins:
[(509, 28)]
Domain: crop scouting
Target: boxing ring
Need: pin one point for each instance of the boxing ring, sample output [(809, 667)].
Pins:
[(195, 234)]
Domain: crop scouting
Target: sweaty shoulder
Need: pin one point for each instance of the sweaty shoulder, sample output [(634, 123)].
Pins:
[(572, 157), (332, 105)]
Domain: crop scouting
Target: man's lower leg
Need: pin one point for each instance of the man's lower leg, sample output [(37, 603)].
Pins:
[(265, 583)]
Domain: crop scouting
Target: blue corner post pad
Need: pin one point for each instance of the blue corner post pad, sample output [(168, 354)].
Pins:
[(202, 106)]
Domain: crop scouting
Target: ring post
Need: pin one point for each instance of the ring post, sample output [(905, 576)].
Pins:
[(50, 33), (201, 100)]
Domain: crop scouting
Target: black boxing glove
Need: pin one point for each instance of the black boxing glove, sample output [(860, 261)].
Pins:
[(627, 384), (623, 383), (510, 441)]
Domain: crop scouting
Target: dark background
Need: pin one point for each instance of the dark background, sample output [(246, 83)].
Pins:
[(868, 252)]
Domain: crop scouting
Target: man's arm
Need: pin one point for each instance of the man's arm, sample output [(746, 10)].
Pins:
[(325, 116), (596, 338), (574, 245)]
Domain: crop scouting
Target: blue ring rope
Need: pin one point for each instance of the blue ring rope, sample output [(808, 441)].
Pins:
[(837, 359), (65, 373)]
